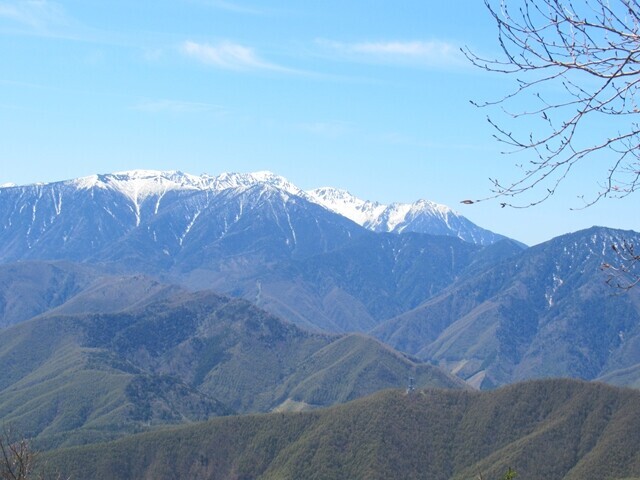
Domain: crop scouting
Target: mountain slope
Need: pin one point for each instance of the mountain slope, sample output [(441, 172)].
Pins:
[(85, 377), (547, 429), (32, 288), (356, 287), (546, 312)]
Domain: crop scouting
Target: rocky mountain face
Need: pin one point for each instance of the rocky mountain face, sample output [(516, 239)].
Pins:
[(169, 214), (160, 218)]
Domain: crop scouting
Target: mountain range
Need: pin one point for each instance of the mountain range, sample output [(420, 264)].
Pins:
[(249, 235), (163, 210), (491, 311), (547, 312), (137, 300), (422, 216)]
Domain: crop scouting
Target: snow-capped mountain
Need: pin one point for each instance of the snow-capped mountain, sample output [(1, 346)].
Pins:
[(138, 185), (422, 216), (160, 215), (126, 200), (254, 235), (308, 257)]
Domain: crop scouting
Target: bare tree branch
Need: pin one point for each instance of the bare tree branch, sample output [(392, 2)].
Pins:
[(18, 461), (589, 51), (626, 274)]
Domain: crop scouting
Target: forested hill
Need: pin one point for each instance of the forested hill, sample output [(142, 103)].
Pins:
[(551, 429)]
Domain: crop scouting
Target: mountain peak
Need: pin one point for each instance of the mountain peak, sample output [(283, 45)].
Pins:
[(245, 180), (363, 212), (423, 216)]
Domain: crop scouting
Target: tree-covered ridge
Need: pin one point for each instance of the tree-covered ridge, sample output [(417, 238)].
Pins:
[(558, 429), (73, 379)]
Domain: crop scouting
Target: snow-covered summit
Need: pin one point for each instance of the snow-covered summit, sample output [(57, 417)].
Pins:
[(422, 216), (226, 181), (138, 185), (363, 212), (374, 215)]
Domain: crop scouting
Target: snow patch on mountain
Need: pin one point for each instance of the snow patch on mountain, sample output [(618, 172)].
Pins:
[(374, 215), (396, 216), (363, 212), (243, 181), (138, 185)]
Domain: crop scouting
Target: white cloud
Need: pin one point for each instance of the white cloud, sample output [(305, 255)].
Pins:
[(229, 56), (432, 53)]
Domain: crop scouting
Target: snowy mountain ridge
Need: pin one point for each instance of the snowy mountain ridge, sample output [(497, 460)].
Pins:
[(138, 186), (374, 215), (363, 212), (422, 216)]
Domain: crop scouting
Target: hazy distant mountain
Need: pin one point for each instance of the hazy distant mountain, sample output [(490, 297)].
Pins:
[(546, 312), (251, 235), (560, 429), (422, 216), (374, 278), (76, 378), (31, 288)]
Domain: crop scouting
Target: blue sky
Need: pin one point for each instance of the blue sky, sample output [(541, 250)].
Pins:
[(371, 96)]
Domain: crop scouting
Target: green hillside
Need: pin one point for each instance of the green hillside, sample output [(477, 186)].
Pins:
[(74, 379), (553, 429)]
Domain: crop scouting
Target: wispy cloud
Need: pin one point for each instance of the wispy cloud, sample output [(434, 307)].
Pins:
[(35, 14), (230, 56), (48, 19), (434, 53), (176, 106)]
